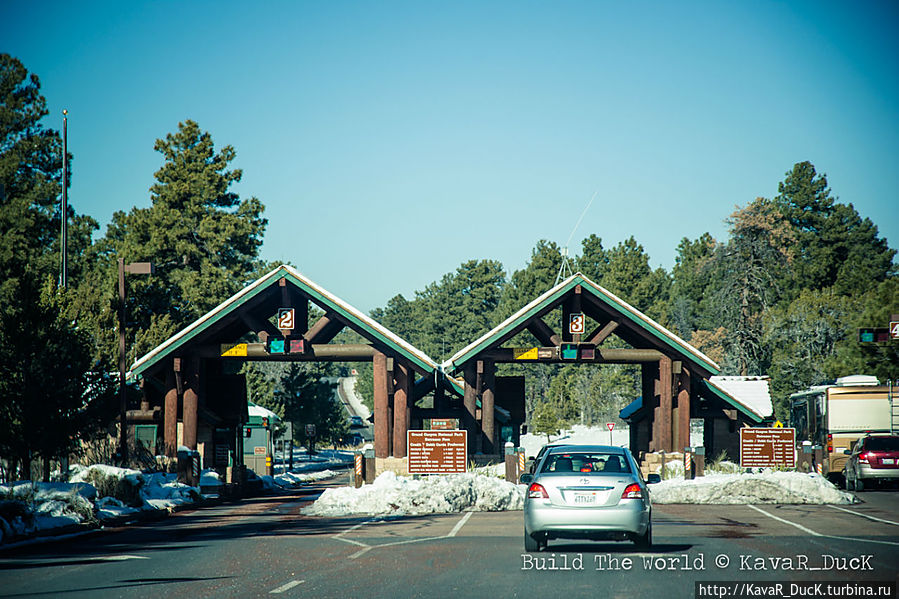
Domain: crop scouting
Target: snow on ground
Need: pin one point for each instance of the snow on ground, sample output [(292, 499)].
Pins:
[(101, 492), (766, 487)]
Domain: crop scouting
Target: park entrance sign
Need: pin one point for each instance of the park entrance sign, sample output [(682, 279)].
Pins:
[(437, 452), (767, 447)]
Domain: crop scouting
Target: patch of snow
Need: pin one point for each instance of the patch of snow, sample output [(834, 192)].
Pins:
[(766, 487), (390, 494)]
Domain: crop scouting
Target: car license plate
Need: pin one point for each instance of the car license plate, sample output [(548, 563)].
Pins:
[(888, 461), (584, 498)]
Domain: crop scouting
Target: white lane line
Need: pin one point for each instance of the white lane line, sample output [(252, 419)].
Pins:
[(119, 558), (286, 587), (842, 509), (460, 524), (818, 534), (366, 548)]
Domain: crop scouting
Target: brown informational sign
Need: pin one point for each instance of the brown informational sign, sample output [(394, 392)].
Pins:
[(437, 452), (767, 447)]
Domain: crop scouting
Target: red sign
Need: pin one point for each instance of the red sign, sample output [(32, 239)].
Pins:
[(437, 452), (610, 426)]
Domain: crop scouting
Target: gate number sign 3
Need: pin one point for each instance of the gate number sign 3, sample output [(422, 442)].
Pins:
[(285, 318), (576, 323)]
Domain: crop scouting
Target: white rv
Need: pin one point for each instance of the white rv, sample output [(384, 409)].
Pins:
[(836, 416)]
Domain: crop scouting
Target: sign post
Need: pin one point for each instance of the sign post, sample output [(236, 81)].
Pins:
[(610, 426)]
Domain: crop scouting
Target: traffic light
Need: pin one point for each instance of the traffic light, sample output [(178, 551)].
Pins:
[(568, 351), (276, 346), (873, 335)]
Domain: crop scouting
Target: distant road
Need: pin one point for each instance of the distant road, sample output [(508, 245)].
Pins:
[(347, 394)]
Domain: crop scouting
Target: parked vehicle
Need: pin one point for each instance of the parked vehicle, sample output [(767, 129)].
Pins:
[(591, 492), (836, 416), (874, 459), (356, 422)]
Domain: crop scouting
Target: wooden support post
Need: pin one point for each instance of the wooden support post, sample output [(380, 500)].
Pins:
[(542, 331), (170, 415), (649, 372), (469, 401), (665, 401), (488, 376), (683, 408), (379, 362), (401, 398), (191, 401)]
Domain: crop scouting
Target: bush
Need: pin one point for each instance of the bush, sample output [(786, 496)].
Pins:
[(125, 489)]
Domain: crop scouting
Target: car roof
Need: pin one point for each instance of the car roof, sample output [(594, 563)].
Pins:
[(586, 448)]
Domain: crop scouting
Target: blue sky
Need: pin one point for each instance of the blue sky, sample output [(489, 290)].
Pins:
[(392, 141)]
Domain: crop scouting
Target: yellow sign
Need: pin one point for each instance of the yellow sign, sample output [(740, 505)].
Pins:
[(234, 349), (778, 424), (524, 353)]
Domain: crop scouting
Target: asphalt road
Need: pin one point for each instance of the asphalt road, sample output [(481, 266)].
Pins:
[(265, 547)]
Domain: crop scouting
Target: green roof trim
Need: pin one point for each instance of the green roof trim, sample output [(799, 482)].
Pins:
[(548, 301), (319, 296)]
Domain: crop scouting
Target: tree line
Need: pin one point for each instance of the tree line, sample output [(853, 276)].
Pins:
[(782, 295)]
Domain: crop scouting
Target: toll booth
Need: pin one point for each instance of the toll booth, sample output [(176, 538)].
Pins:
[(257, 437)]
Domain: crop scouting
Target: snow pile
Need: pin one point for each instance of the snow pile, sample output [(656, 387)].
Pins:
[(27, 506), (399, 495), (766, 487), (291, 479)]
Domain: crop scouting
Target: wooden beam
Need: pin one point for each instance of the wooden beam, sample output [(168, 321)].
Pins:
[(325, 329), (602, 333), (488, 376), (602, 355), (401, 404), (665, 404), (543, 332), (262, 328), (382, 449), (170, 415), (683, 408)]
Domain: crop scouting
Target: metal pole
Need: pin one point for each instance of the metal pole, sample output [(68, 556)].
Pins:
[(123, 402), (64, 217)]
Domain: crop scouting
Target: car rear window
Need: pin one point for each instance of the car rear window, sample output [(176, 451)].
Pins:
[(580, 462), (882, 444)]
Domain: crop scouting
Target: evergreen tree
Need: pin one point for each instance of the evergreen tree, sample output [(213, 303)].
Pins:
[(203, 240), (835, 246)]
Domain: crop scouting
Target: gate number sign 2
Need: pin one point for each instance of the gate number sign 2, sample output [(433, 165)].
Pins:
[(285, 318)]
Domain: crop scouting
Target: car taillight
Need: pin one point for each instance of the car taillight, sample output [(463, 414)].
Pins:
[(536, 491), (632, 491), (829, 443), (863, 458)]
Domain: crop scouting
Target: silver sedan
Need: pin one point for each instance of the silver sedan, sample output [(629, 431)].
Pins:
[(586, 492)]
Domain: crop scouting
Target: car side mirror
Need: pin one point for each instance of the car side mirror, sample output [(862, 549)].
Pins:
[(847, 451), (653, 478), (526, 478)]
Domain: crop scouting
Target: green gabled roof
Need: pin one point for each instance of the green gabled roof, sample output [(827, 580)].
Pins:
[(321, 297), (552, 297)]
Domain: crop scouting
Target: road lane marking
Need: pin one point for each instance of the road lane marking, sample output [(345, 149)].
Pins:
[(865, 515), (818, 534), (366, 547), (460, 524), (286, 587), (118, 558)]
